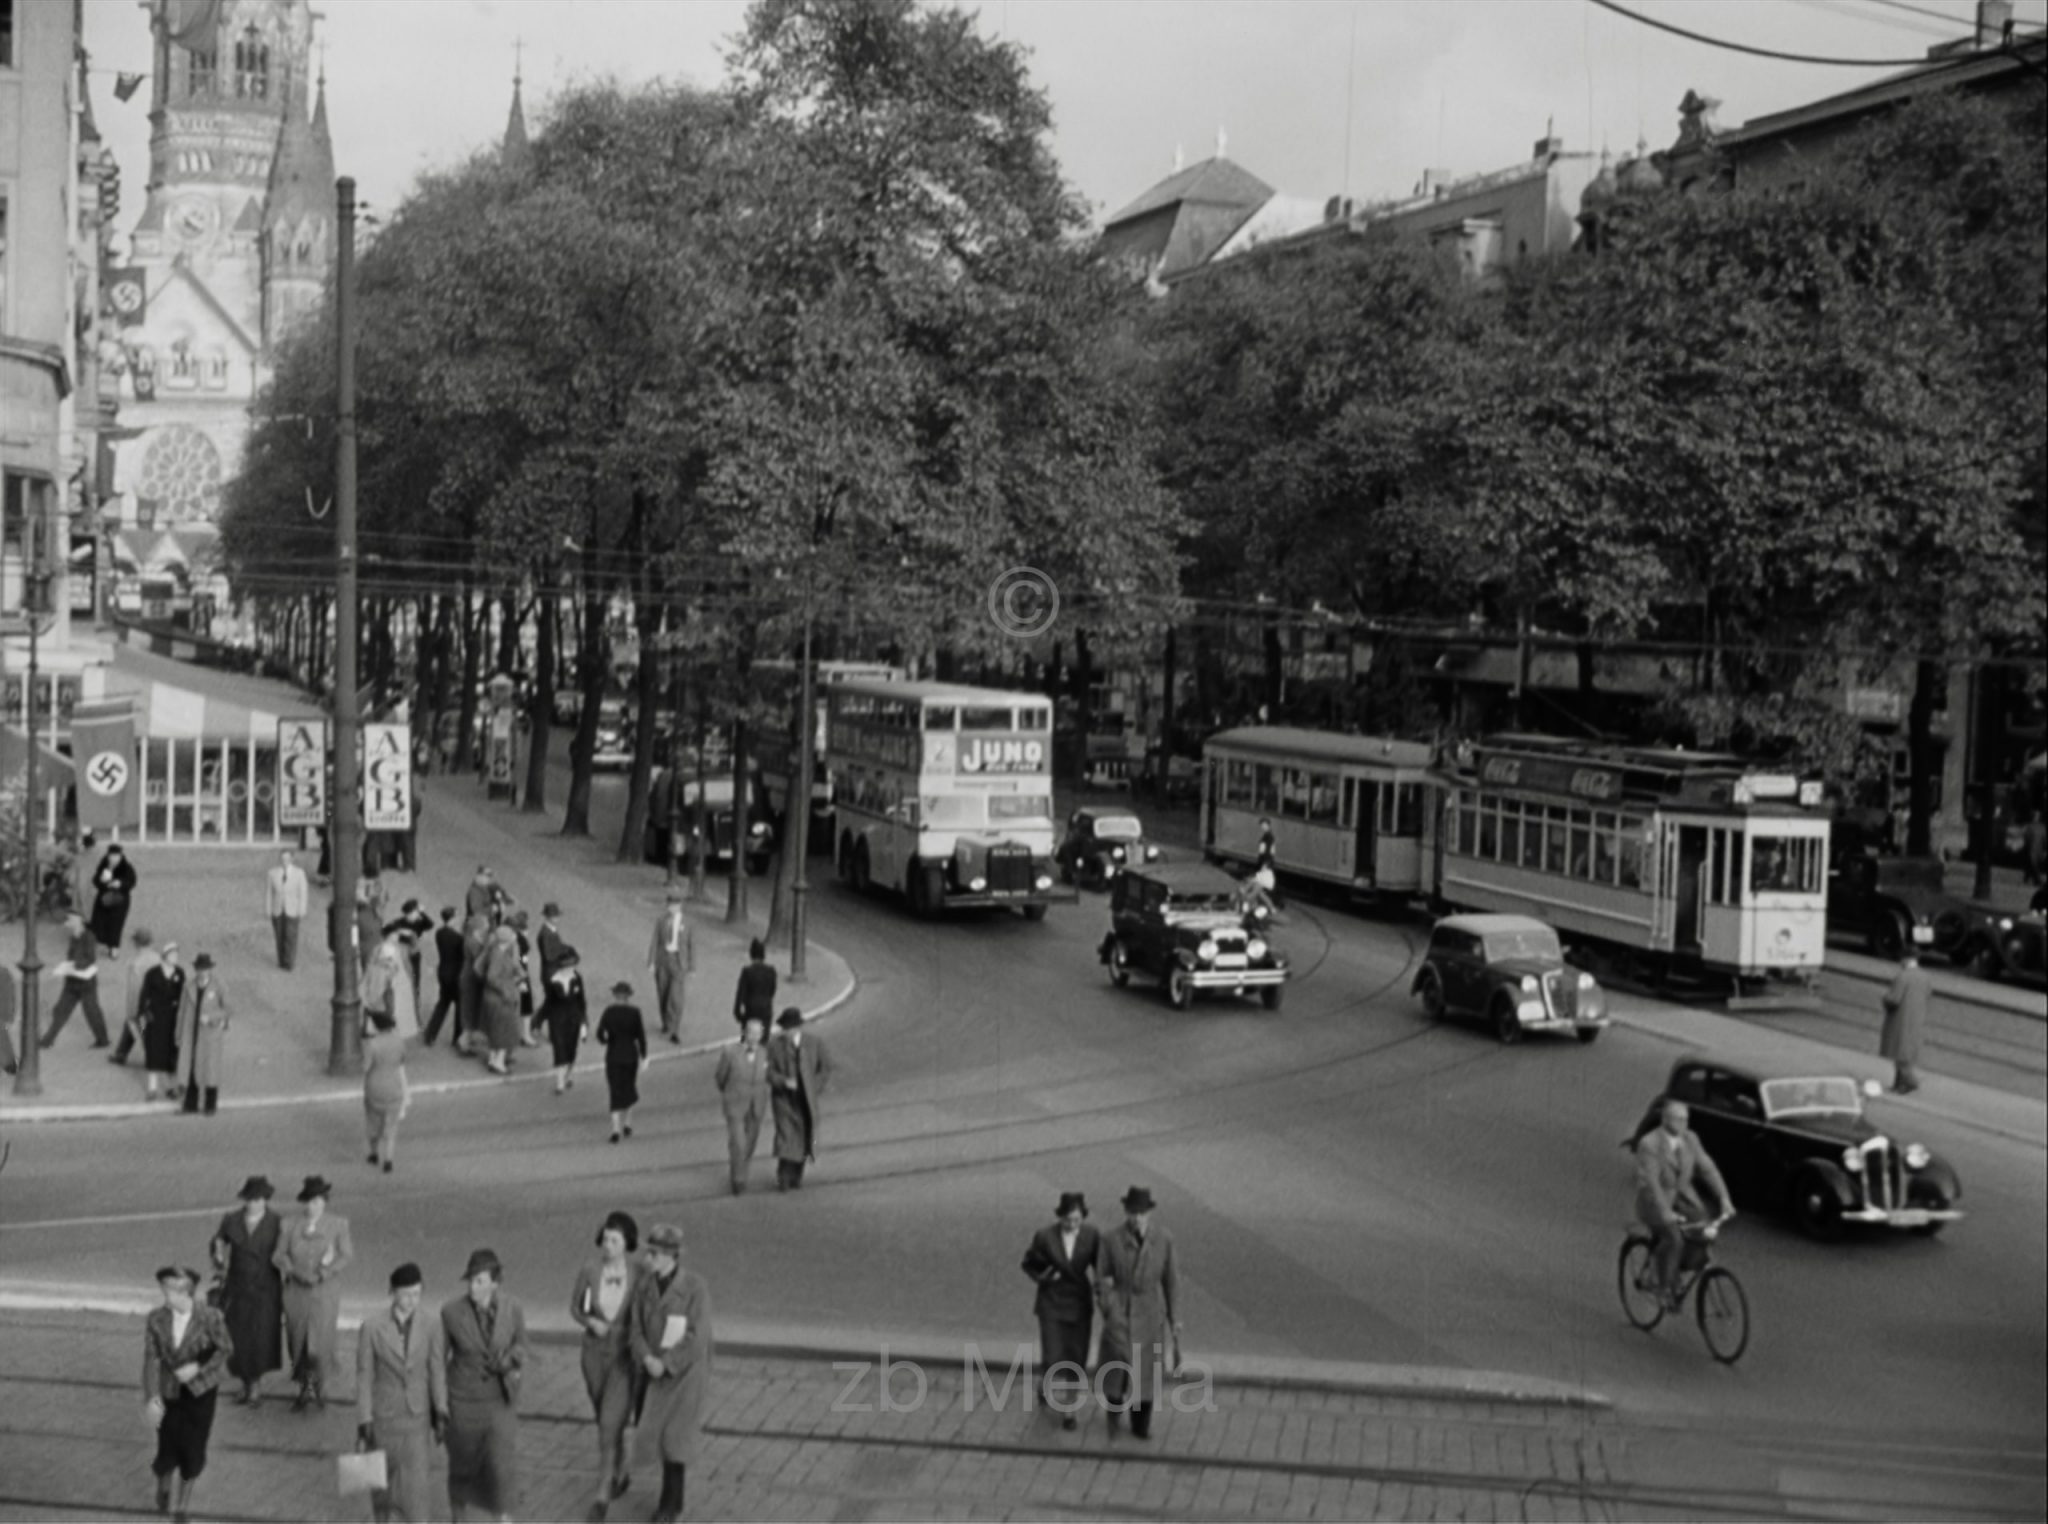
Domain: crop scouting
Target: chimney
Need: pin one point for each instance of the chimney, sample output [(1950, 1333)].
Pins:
[(1550, 145), (1333, 208), (1994, 19)]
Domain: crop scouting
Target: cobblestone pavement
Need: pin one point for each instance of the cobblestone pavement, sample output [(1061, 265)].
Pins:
[(803, 1440)]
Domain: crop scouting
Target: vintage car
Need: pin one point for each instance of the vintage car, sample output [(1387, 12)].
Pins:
[(1800, 1144), (1509, 972), (1892, 903), (1184, 924), (671, 811), (1101, 843), (2003, 944), (614, 748)]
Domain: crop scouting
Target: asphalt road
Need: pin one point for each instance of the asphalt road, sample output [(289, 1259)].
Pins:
[(1345, 1182)]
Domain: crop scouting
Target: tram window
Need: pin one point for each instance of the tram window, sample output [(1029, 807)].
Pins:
[(1510, 832), (1555, 840), (1409, 796), (1237, 783), (1293, 793), (1266, 790), (1724, 867), (1784, 865), (1582, 847), (1632, 854), (986, 718), (1347, 815), (1532, 836), (1322, 798), (1466, 815)]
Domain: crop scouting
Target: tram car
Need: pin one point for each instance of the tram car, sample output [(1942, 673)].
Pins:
[(1353, 811)]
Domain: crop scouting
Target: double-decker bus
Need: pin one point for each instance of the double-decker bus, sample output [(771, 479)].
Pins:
[(943, 793), (776, 749), (1355, 811), (1675, 859)]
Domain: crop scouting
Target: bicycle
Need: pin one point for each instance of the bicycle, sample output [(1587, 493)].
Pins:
[(1719, 1303)]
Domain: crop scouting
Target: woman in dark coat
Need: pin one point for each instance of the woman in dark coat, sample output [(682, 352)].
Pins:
[(623, 1034), (163, 992), (252, 1292), (483, 1340), (601, 1302), (185, 1351), (754, 999), (113, 892), (566, 1014)]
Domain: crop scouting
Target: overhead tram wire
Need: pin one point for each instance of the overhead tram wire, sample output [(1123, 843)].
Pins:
[(1755, 52)]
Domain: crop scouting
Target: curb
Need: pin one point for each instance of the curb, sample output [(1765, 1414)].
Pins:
[(123, 1110), (869, 1349)]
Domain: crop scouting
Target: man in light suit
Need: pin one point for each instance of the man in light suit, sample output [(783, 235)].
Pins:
[(742, 1079), (284, 901), (400, 1385), (1672, 1169), (671, 958)]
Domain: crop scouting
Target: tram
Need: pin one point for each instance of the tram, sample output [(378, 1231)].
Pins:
[(1355, 811), (1674, 859)]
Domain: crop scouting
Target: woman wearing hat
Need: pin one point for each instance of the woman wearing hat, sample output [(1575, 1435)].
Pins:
[(1137, 1283), (311, 1255), (672, 1347), (202, 1037), (244, 1251), (156, 1012), (387, 1092), (565, 1012), (185, 1351), (113, 893), (622, 1032), (599, 1302), (799, 1068), (1060, 1260), (483, 1341), (504, 974)]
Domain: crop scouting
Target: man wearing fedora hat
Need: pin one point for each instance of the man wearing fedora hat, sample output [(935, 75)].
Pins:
[(202, 1037), (483, 1346), (799, 1068), (399, 1388), (1137, 1284), (1060, 1260), (671, 958), (669, 1333), (313, 1252)]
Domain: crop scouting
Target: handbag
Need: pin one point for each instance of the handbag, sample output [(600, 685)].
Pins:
[(217, 1293), (361, 1471)]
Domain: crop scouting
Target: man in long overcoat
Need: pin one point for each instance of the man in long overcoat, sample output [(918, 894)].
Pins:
[(670, 1335), (671, 958), (1137, 1286), (399, 1388), (742, 1079), (1061, 1259), (799, 1068), (1905, 1022)]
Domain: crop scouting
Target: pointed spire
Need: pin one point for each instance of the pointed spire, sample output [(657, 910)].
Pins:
[(323, 144), (298, 185), (1180, 159), (515, 154)]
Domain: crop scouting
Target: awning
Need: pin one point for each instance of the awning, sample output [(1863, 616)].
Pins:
[(53, 768), (179, 699)]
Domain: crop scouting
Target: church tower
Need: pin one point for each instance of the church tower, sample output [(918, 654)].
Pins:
[(298, 217)]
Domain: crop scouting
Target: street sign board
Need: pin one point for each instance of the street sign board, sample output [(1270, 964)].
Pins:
[(301, 772), (387, 777)]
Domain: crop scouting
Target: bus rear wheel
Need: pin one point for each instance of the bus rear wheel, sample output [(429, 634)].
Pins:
[(861, 876)]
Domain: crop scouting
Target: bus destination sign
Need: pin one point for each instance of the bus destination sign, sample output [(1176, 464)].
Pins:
[(1001, 753), (1551, 775)]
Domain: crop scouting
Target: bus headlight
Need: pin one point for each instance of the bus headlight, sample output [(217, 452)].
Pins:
[(1586, 981), (976, 885), (758, 828), (1256, 949), (1045, 881), (1531, 985), (1917, 1156), (1207, 951)]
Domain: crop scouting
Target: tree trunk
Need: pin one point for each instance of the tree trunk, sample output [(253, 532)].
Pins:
[(474, 612), (590, 676), (540, 707), (508, 634), (1987, 693), (649, 621), (1924, 757), (1170, 664), (1084, 703), (1524, 708), (736, 885)]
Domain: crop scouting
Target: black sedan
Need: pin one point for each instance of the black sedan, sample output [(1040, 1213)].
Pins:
[(1893, 903), (1799, 1144), (2003, 944), (1100, 844)]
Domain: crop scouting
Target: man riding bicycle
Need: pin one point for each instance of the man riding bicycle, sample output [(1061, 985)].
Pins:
[(1671, 1168)]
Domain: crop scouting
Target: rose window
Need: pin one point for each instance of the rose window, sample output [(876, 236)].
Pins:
[(181, 473)]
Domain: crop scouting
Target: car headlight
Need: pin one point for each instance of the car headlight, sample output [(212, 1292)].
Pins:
[(1917, 1156), (1044, 881), (758, 828), (1207, 951), (976, 885), (2005, 923), (1256, 949), (1531, 985), (1852, 1159), (1117, 853), (1151, 854), (1587, 982)]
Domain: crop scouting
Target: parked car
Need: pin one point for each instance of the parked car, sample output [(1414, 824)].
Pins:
[(1101, 843), (1893, 903), (568, 706), (1184, 925), (2002, 944), (671, 812), (1508, 971), (614, 747), (1799, 1144)]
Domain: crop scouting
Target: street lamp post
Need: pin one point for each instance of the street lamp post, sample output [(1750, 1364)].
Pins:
[(800, 801), (28, 1074), (345, 1031)]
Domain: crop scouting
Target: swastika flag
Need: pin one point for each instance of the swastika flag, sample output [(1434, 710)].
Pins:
[(103, 753)]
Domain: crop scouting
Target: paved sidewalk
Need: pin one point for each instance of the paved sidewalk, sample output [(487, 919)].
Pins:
[(211, 899), (801, 1439)]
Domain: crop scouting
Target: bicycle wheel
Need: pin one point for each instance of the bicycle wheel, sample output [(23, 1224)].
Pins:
[(1639, 1298), (1723, 1311)]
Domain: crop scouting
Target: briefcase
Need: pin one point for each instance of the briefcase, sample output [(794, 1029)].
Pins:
[(361, 1472)]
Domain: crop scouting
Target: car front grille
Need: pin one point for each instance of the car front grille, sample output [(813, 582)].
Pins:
[(1561, 994), (1884, 1185), (1009, 869)]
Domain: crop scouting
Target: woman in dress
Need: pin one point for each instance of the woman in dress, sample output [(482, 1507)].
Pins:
[(156, 1012), (185, 1352), (386, 1092), (502, 976), (113, 893), (483, 1339), (566, 1013), (623, 1033), (311, 1255), (387, 987), (202, 1037), (252, 1292), (599, 1302)]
